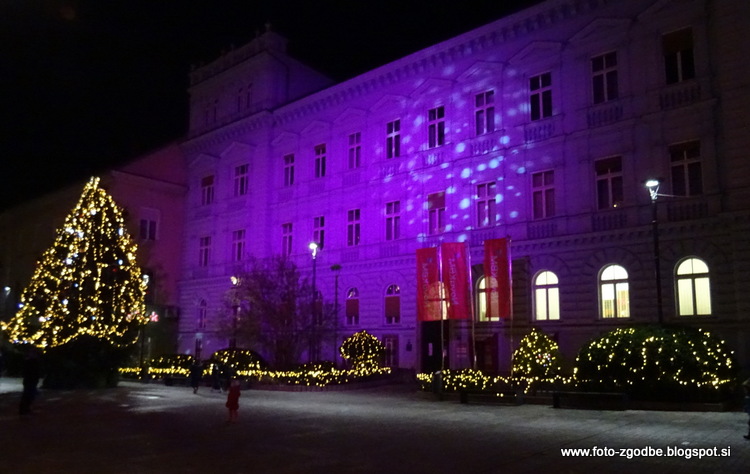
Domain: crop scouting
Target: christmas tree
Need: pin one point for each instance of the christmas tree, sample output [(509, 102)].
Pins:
[(87, 285)]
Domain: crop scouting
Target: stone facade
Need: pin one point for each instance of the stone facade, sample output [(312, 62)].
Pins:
[(542, 127)]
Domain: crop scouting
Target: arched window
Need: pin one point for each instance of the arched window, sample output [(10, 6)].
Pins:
[(202, 311), (614, 293), (393, 305), (481, 302), (693, 288), (546, 297), (352, 306)]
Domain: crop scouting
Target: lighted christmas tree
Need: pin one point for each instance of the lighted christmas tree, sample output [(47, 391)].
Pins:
[(87, 285)]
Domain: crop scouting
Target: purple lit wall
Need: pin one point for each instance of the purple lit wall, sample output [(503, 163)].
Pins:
[(541, 127)]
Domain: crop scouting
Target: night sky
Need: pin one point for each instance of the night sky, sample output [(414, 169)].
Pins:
[(87, 84)]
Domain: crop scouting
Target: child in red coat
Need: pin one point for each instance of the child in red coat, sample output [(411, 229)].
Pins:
[(233, 400)]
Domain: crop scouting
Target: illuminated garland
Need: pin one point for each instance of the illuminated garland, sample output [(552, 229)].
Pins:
[(87, 283)]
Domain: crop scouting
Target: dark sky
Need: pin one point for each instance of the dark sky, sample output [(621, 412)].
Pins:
[(85, 84)]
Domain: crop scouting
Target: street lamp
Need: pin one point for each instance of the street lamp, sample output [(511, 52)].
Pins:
[(313, 340), (236, 310), (653, 189)]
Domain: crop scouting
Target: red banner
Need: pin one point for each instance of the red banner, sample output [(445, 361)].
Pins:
[(428, 285), (497, 278), (455, 273)]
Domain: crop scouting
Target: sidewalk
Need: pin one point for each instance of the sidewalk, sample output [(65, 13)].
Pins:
[(151, 428)]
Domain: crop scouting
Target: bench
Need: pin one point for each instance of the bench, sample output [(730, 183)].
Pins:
[(590, 400), (503, 397)]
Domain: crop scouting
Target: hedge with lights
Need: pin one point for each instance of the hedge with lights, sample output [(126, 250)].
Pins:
[(363, 350), (84, 304), (658, 363)]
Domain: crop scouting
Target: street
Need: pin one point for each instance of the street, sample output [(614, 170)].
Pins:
[(151, 428)]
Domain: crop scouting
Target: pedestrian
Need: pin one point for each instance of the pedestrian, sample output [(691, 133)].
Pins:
[(233, 400), (215, 377), (31, 373), (196, 375), (746, 407)]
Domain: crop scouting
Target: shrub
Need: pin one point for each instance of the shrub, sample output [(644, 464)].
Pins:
[(239, 360), (363, 350), (537, 356), (658, 363)]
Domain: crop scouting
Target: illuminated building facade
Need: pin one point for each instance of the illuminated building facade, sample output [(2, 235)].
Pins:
[(541, 127)]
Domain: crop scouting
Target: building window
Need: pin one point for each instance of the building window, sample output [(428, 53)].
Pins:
[(693, 288), (481, 302), (238, 245), (543, 194), (319, 231), (436, 127), (147, 229), (202, 312), (207, 190), (614, 293), (204, 251), (286, 239), (484, 114), (393, 305), (486, 204), (393, 220), (241, 180), (288, 170), (436, 212), (679, 64), (320, 161), (352, 227), (355, 150), (352, 306), (546, 297), (390, 358), (604, 77), (540, 98), (609, 182), (393, 139), (687, 176)]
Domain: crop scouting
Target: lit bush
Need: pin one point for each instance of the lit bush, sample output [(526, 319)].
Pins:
[(363, 350), (537, 357), (658, 363)]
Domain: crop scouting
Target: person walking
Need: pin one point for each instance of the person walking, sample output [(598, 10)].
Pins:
[(233, 400), (31, 374), (196, 375), (746, 406)]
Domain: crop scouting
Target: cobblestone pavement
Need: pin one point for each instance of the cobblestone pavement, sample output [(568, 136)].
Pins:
[(151, 428)]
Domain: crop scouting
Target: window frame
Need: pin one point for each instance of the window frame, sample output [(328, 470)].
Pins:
[(393, 139), (697, 298), (549, 292), (353, 227), (486, 204), (392, 292), (241, 180), (289, 169), (436, 127), (621, 285), (540, 96), (610, 177), (484, 112), (320, 160), (354, 151), (287, 230), (604, 79), (392, 220), (543, 194)]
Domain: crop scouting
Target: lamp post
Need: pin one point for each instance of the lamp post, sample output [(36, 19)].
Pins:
[(236, 310), (335, 268), (653, 190), (313, 340)]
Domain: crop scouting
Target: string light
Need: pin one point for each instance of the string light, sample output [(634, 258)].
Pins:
[(86, 283)]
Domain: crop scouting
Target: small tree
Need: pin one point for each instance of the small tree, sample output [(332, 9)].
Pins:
[(537, 356), (363, 350), (85, 301), (271, 307)]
